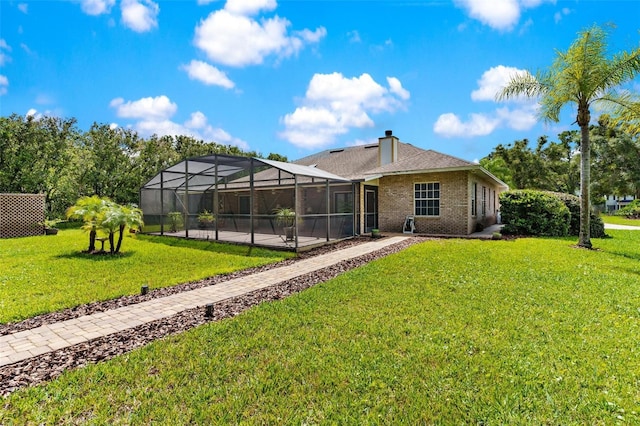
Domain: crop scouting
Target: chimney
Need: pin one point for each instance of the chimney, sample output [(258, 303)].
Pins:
[(387, 148)]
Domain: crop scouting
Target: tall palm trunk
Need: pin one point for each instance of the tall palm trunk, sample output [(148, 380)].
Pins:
[(584, 239)]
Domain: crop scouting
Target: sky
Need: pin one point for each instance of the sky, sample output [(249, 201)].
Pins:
[(298, 76)]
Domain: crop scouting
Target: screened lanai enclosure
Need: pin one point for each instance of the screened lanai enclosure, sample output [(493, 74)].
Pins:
[(250, 201)]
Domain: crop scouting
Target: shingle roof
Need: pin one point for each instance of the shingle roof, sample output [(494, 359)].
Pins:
[(425, 160), (360, 162)]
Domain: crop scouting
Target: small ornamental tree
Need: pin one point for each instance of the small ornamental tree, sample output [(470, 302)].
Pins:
[(102, 214), (88, 210)]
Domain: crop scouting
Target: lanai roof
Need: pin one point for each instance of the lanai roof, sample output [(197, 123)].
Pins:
[(230, 170)]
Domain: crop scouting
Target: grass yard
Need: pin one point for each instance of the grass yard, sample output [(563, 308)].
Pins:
[(530, 331), (48, 273), (619, 220)]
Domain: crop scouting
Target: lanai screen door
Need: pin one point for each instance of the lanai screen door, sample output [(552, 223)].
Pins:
[(370, 208)]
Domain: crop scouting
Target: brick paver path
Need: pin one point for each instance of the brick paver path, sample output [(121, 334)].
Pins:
[(29, 343)]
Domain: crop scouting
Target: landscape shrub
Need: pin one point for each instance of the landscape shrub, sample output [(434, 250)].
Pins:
[(631, 211), (530, 212), (573, 204)]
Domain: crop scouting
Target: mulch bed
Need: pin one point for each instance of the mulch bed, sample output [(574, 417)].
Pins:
[(50, 365)]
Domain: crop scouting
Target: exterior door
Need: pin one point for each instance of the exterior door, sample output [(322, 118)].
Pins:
[(370, 208)]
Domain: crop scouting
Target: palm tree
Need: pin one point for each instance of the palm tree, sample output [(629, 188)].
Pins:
[(88, 209), (584, 76), (118, 218)]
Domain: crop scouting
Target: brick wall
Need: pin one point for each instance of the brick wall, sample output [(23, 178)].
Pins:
[(492, 204), (20, 214), (396, 201)]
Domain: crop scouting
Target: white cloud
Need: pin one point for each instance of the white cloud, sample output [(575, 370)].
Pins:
[(209, 75), (522, 116), (4, 84), (498, 14), (96, 7), (493, 80), (37, 115), (154, 117), (501, 15), (4, 47), (396, 88), (23, 7), (231, 37), (157, 108), (334, 104), (140, 15), (250, 7), (449, 125), (312, 36)]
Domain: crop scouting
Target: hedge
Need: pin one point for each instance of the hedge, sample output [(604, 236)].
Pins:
[(529, 212), (544, 213), (573, 204)]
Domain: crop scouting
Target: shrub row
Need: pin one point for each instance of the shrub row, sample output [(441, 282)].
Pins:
[(543, 213)]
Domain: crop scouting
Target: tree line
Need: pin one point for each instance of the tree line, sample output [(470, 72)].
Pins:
[(555, 165), (51, 155)]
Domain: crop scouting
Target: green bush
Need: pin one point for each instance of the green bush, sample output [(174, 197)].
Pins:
[(529, 212), (631, 211), (573, 204)]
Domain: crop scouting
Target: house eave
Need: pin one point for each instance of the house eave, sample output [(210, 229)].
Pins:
[(474, 168)]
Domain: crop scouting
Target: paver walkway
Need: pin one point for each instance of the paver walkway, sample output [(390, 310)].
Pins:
[(47, 338), (624, 227)]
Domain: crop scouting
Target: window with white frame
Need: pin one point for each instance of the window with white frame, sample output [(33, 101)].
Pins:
[(427, 199)]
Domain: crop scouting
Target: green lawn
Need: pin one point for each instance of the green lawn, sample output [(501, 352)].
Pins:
[(48, 273), (619, 220), (530, 331)]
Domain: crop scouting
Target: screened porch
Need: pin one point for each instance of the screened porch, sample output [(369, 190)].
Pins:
[(250, 201)]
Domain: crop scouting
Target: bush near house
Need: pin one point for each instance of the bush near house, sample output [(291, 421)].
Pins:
[(631, 211), (530, 212)]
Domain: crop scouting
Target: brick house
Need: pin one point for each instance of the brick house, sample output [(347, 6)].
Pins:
[(444, 194), (334, 194)]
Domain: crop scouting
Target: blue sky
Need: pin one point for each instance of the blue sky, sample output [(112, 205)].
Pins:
[(295, 77)]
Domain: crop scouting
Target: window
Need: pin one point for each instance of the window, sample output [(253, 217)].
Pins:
[(244, 204), (484, 201), (343, 202), (474, 205), (427, 199)]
